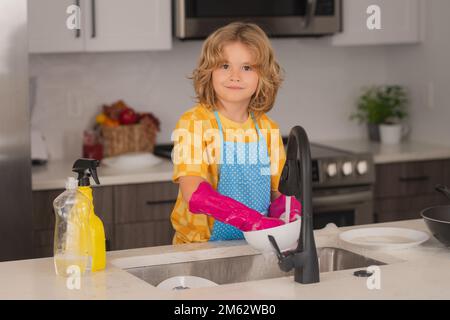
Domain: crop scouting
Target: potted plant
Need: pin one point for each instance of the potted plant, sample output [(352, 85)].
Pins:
[(382, 108)]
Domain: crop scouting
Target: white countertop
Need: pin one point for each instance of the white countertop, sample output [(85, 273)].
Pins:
[(53, 174), (422, 272), (383, 153)]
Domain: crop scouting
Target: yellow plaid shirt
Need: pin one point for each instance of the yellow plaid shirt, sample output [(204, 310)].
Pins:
[(192, 128)]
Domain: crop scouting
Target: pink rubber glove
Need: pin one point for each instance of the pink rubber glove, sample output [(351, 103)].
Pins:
[(278, 207), (227, 210)]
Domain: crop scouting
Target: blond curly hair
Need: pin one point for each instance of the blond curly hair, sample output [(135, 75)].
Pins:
[(266, 66)]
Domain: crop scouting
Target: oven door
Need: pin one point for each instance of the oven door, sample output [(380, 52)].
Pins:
[(196, 19), (343, 206)]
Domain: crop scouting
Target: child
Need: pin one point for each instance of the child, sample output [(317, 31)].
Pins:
[(228, 154)]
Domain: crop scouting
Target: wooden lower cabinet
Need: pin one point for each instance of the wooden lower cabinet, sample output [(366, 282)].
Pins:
[(394, 209), (133, 216), (143, 234), (404, 189), (142, 214)]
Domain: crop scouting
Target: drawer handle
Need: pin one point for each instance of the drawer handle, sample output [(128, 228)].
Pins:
[(94, 23), (160, 202), (410, 179)]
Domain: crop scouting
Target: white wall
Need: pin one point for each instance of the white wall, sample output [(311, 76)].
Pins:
[(321, 85), (418, 67)]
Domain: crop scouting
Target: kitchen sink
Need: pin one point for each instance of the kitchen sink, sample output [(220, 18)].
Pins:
[(248, 267)]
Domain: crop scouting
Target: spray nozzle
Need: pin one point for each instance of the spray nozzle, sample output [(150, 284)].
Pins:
[(85, 169)]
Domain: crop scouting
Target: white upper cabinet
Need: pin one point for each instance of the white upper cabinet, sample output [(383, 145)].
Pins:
[(106, 25), (47, 30), (126, 25), (399, 22)]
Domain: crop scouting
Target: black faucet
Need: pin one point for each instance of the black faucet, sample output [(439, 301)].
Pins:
[(296, 180)]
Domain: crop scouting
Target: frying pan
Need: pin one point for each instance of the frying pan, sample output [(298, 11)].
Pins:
[(437, 218)]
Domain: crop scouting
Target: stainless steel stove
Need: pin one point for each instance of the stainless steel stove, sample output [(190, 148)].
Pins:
[(342, 184)]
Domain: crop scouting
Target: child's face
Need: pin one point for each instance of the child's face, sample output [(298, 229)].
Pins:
[(235, 81)]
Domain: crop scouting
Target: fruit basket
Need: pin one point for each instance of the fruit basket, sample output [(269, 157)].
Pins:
[(128, 138), (123, 130)]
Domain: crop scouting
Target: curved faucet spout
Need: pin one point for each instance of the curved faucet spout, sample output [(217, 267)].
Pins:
[(296, 180)]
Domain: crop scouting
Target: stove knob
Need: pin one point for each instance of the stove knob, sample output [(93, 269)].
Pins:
[(362, 167), (347, 168), (332, 169)]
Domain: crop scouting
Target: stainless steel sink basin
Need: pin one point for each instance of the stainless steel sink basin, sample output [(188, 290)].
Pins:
[(248, 268)]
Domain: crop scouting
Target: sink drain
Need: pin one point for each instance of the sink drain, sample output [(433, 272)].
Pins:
[(362, 273), (185, 282), (180, 288)]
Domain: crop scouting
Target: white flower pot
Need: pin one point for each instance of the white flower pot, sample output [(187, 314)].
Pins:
[(392, 133)]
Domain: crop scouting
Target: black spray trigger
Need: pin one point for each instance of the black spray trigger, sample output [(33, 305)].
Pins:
[(93, 172), (85, 169)]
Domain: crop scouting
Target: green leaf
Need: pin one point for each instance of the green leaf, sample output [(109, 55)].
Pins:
[(379, 104)]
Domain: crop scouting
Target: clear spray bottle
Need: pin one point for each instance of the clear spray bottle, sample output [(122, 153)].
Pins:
[(72, 236)]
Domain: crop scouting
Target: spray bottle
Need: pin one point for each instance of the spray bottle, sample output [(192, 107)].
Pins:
[(85, 168), (72, 235)]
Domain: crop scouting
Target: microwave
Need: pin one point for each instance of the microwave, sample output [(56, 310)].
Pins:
[(196, 19)]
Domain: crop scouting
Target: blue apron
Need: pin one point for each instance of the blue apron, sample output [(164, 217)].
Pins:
[(244, 175)]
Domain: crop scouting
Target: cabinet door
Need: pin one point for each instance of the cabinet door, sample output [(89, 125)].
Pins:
[(117, 25), (143, 234), (144, 202), (400, 22), (47, 30), (404, 208), (410, 178), (403, 189), (142, 214)]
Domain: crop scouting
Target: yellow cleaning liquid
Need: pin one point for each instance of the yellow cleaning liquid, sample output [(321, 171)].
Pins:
[(97, 246)]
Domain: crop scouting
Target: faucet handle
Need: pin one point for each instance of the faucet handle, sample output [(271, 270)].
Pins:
[(275, 246), (285, 262)]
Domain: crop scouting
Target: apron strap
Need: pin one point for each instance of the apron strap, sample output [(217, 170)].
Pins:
[(221, 137), (257, 127), (219, 123)]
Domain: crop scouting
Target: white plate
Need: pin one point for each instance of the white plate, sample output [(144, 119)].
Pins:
[(185, 282), (384, 238), (131, 161)]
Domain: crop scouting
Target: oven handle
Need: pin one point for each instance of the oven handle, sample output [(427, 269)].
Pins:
[(343, 198)]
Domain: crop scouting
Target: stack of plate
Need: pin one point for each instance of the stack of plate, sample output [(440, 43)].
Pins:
[(131, 161)]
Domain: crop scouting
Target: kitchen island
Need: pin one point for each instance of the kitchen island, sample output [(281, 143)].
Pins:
[(422, 272)]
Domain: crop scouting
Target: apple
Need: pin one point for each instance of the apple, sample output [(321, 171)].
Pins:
[(128, 116)]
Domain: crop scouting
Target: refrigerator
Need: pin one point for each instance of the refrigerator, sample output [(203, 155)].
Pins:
[(15, 158)]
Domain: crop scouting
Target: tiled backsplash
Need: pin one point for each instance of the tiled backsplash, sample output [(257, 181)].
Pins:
[(319, 91)]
